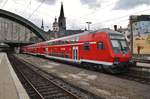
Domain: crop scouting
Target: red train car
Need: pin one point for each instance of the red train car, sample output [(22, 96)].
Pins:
[(104, 48)]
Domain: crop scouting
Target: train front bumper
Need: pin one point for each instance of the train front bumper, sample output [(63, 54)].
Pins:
[(119, 67), (123, 64)]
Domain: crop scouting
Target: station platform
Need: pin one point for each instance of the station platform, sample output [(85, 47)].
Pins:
[(143, 64), (10, 86)]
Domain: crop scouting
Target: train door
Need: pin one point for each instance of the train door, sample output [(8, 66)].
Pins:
[(75, 53)]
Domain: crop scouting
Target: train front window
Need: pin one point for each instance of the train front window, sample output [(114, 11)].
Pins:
[(119, 46), (124, 46), (116, 46)]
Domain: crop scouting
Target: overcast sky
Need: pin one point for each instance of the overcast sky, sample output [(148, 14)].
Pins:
[(102, 13)]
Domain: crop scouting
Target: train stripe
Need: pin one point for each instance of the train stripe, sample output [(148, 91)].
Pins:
[(60, 58), (97, 62), (81, 60), (65, 45)]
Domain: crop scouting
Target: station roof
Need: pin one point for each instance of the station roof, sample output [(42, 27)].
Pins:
[(9, 15)]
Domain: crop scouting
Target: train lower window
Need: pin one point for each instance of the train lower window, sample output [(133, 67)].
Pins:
[(100, 45), (46, 50), (87, 46), (67, 41)]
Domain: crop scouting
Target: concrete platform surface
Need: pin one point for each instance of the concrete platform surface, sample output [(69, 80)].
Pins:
[(10, 86)]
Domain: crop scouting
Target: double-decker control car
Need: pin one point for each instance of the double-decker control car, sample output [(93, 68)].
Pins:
[(104, 48)]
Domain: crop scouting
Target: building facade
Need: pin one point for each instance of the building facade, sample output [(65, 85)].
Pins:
[(140, 34), (15, 32)]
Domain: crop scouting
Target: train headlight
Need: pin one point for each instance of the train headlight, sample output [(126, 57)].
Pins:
[(116, 60)]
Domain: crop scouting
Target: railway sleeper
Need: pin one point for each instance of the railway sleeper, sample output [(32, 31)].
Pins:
[(43, 84), (47, 89), (44, 87), (52, 92), (57, 96)]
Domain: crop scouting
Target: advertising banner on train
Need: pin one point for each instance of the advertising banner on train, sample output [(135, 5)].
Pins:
[(141, 35)]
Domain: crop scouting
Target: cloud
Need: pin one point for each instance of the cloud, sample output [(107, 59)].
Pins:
[(48, 2), (1, 1), (129, 4), (91, 3)]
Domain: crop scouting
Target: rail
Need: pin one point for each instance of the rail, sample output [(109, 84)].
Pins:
[(139, 74)]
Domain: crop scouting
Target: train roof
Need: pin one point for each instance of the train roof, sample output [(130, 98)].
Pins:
[(107, 30)]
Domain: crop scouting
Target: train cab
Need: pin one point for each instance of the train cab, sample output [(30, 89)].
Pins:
[(121, 53)]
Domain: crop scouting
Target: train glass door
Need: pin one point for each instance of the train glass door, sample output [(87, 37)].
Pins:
[(46, 51), (75, 53)]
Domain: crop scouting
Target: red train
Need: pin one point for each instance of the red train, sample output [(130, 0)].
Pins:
[(104, 48)]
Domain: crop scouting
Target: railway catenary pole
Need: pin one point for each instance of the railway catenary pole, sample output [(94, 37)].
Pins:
[(131, 30), (89, 25)]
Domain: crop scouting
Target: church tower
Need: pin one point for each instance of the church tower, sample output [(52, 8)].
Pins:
[(55, 28), (62, 19)]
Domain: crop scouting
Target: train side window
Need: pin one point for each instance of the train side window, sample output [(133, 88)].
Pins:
[(77, 39), (72, 40), (100, 45), (86, 46)]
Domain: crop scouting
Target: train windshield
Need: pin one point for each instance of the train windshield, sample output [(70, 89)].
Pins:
[(120, 46)]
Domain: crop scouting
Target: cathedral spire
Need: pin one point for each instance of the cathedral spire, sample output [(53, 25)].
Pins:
[(62, 10), (62, 19)]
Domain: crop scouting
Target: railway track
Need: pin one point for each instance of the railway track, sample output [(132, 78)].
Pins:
[(140, 68), (142, 60), (137, 73), (40, 85)]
